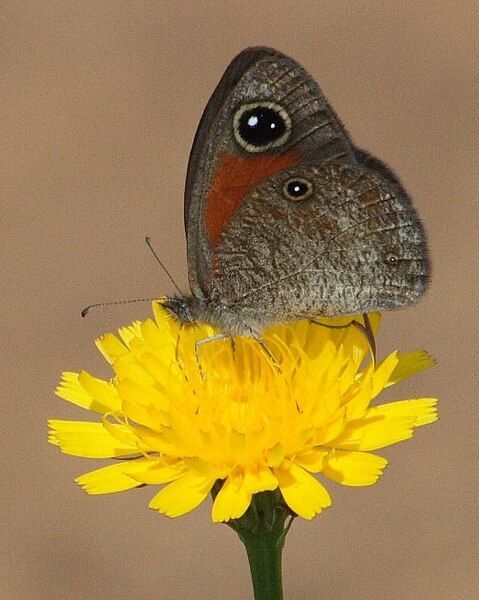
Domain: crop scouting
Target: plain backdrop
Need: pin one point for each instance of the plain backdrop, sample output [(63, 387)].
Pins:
[(99, 104)]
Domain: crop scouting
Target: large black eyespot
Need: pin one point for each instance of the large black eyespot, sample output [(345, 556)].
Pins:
[(297, 189), (261, 125)]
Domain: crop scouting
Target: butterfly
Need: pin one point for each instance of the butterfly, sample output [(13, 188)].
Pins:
[(285, 217)]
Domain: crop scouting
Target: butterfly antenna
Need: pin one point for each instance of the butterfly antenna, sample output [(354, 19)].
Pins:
[(150, 246), (87, 310)]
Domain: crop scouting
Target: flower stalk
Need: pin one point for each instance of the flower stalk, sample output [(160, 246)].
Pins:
[(263, 529)]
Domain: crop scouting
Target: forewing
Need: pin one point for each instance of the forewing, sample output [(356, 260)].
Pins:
[(354, 245), (222, 172)]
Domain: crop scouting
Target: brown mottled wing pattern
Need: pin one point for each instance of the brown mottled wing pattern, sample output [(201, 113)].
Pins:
[(221, 174), (355, 245)]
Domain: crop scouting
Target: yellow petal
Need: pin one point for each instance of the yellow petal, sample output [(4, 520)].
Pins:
[(114, 478), (301, 491), (422, 411), (130, 332), (275, 455), (127, 367), (141, 393), (138, 414), (160, 471), (90, 440), (362, 396), (383, 372), (102, 391), (353, 468), (232, 500), (72, 388), (156, 441), (410, 363), (111, 347), (69, 389), (312, 460), (151, 333), (235, 495), (121, 432), (259, 480), (183, 495), (387, 424)]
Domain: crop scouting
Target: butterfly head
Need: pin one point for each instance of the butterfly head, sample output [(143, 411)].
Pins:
[(183, 309)]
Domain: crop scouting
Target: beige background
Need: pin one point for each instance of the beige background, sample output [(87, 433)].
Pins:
[(99, 104)]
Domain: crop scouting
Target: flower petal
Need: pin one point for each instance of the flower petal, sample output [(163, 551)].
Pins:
[(183, 495), (111, 347), (121, 432), (259, 480), (422, 410), (353, 468), (312, 460), (410, 363), (160, 471), (387, 424), (361, 397), (232, 500), (102, 391), (141, 393), (90, 440), (114, 478), (301, 491), (70, 388), (383, 372), (130, 332), (235, 495)]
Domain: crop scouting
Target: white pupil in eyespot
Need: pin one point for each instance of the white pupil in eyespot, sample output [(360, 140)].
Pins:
[(253, 121)]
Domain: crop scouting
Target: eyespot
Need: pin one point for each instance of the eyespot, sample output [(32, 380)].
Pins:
[(297, 189), (392, 259), (261, 125)]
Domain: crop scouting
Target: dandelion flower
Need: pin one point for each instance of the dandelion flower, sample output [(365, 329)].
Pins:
[(235, 414)]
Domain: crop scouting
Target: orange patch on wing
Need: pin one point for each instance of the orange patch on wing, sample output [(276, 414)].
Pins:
[(234, 178)]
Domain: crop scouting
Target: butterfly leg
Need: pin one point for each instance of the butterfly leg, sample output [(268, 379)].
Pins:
[(369, 333), (177, 346), (267, 351), (177, 353), (214, 338), (223, 336), (365, 329)]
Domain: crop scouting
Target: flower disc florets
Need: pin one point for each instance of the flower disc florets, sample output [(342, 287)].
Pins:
[(255, 416)]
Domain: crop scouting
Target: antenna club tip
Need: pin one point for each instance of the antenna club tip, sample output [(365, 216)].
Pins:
[(86, 311), (148, 239)]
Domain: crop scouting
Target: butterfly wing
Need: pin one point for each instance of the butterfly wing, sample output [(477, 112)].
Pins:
[(353, 243), (265, 115)]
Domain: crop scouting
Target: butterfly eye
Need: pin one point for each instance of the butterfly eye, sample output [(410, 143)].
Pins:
[(297, 189), (260, 126)]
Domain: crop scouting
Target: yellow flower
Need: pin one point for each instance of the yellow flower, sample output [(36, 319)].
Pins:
[(187, 415)]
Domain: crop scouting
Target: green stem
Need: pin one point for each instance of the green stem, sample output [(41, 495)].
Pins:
[(264, 555), (263, 529)]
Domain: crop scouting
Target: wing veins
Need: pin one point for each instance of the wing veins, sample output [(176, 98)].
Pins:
[(300, 270)]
